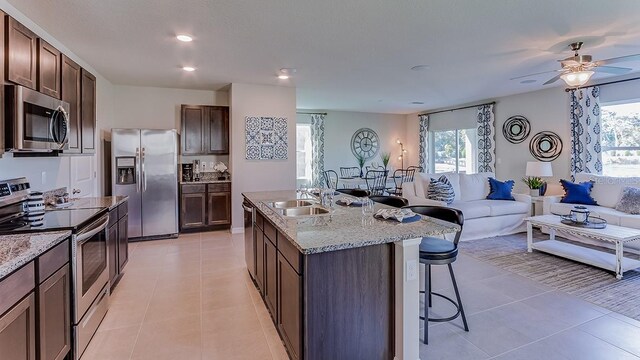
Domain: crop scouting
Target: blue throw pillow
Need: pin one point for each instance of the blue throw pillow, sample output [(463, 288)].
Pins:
[(500, 190), (577, 193)]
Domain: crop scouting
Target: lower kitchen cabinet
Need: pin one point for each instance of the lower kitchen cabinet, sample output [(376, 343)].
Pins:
[(260, 261), (18, 330), (118, 242), (289, 319), (205, 206), (55, 316), (270, 276)]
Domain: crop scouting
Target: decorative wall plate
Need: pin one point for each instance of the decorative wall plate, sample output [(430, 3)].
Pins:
[(545, 146), (365, 142), (516, 129)]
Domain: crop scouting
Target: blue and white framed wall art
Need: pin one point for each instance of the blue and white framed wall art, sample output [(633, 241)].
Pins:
[(266, 138)]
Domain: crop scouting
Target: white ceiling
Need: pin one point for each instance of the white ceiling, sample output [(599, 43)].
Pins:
[(350, 54)]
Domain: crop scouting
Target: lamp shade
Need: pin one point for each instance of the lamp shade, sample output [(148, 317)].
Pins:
[(539, 169), (578, 78)]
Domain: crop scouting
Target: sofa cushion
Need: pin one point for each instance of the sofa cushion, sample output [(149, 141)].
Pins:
[(440, 190), (631, 221), (612, 216), (425, 179), (500, 190), (508, 207), (577, 193), (630, 201), (473, 209), (607, 190), (474, 186)]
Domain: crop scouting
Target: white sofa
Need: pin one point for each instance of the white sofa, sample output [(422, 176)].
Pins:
[(607, 192), (482, 218)]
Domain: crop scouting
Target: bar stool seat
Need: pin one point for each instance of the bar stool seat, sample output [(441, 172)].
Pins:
[(437, 249)]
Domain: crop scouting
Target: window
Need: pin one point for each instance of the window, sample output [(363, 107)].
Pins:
[(453, 151), (620, 138), (303, 152)]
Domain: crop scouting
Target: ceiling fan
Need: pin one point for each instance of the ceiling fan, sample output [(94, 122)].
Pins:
[(578, 69)]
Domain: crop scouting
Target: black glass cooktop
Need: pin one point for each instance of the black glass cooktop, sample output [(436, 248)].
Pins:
[(54, 220)]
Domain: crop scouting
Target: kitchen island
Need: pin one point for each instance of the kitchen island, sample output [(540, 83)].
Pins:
[(338, 285)]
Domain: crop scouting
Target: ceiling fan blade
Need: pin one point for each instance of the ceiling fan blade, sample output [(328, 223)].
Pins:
[(612, 70), (534, 74), (615, 60), (553, 79)]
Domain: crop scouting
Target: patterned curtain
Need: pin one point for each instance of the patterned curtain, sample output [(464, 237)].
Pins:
[(317, 149), (584, 112), (424, 138), (486, 139)]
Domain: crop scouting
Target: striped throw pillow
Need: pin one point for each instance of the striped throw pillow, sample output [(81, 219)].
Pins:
[(441, 190)]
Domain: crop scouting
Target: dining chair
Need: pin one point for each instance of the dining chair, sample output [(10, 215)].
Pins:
[(349, 172), (416, 168), (401, 176), (376, 181), (330, 179), (436, 251)]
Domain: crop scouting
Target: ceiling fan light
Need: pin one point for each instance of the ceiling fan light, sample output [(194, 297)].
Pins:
[(578, 78)]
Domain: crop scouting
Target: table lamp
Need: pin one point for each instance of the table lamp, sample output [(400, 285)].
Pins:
[(536, 170)]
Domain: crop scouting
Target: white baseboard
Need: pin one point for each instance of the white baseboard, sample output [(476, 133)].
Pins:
[(237, 230)]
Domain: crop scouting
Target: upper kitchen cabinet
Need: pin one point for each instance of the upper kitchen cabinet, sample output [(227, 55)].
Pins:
[(205, 130), (70, 91), (88, 112), (21, 46), (48, 69), (3, 19)]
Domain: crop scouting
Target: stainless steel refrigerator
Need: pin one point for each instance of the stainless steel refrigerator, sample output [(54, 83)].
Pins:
[(145, 168)]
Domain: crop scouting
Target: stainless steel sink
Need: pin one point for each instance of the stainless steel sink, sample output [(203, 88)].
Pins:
[(290, 204), (302, 211)]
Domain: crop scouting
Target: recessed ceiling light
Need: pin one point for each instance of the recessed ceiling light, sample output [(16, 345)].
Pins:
[(286, 73), (417, 103), (527, 81), (420, 67), (188, 68), (184, 38), (283, 77)]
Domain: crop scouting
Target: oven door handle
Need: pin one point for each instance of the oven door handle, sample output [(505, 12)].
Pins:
[(88, 234)]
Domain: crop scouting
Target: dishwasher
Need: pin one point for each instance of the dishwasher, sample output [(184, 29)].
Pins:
[(249, 241)]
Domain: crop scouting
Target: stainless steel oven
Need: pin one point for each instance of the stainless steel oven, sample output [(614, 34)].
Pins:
[(35, 121), (90, 278)]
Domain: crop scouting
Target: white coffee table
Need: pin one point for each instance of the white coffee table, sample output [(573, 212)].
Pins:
[(616, 235)]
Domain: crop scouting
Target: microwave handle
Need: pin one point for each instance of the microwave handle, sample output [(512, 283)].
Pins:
[(94, 229)]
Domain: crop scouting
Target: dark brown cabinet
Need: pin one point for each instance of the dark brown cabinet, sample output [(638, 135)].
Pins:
[(270, 275), (70, 92), (112, 249), (205, 130), (260, 261), (88, 112), (123, 242), (205, 206), (49, 63), (21, 47), (55, 316), (118, 242), (3, 20), (289, 319), (18, 330)]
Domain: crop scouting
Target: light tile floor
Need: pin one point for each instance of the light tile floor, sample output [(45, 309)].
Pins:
[(191, 298)]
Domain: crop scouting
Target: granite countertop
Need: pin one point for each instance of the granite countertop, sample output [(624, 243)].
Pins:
[(344, 227), (205, 182), (18, 250), (110, 202)]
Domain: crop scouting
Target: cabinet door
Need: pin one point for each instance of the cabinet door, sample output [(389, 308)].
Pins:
[(219, 208), (112, 248), (193, 210), (270, 276), (88, 112), (21, 56), (55, 318), (193, 120), (48, 69), (289, 319), (2, 59), (217, 130), (260, 260), (250, 252), (123, 242), (70, 92), (18, 331)]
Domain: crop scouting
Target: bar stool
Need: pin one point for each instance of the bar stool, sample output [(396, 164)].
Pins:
[(394, 201), (354, 192), (435, 251)]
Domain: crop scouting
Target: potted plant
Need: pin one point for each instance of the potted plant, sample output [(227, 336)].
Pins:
[(361, 160), (534, 183), (385, 156)]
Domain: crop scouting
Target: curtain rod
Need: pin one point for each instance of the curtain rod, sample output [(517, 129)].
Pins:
[(311, 113), (604, 83), (460, 108)]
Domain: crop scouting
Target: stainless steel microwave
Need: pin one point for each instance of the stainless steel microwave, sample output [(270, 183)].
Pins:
[(35, 122)]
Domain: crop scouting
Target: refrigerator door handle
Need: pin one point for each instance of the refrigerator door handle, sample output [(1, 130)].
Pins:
[(138, 170), (144, 175)]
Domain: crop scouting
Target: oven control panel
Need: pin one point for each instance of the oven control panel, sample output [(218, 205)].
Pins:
[(4, 190)]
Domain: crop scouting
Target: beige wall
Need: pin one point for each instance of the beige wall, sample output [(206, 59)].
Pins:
[(259, 175)]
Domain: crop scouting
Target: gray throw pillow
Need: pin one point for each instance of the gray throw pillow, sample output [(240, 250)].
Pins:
[(441, 190), (630, 201)]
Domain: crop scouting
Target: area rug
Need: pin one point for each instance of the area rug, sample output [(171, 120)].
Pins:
[(591, 284)]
